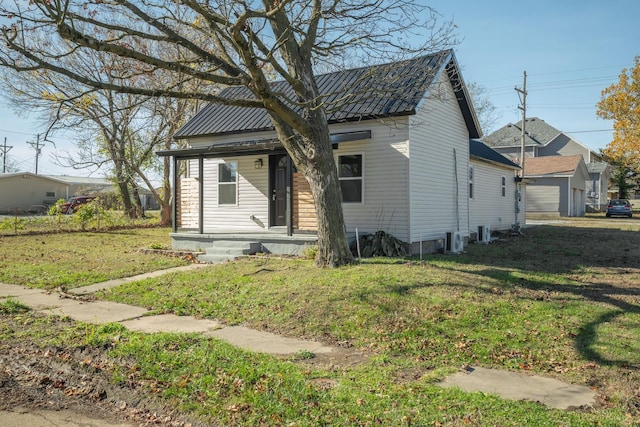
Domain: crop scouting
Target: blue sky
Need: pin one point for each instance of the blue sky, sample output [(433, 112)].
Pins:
[(571, 50)]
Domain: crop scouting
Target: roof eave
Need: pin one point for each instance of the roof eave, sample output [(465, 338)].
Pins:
[(493, 162)]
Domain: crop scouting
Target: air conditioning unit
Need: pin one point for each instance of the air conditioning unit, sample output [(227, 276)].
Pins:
[(484, 234), (455, 242)]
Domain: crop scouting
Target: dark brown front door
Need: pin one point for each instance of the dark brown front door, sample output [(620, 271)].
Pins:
[(279, 172)]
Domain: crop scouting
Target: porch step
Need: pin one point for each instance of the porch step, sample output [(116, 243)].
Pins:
[(224, 250)]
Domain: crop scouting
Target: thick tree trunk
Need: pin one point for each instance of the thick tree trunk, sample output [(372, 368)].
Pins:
[(313, 156), (321, 174)]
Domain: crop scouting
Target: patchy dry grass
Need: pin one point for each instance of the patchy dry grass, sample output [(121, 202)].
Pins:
[(77, 259), (561, 301)]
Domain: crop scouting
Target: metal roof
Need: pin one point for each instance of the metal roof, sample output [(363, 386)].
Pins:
[(386, 90), (248, 148), (484, 152)]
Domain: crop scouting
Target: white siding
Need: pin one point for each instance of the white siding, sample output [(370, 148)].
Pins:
[(385, 162), (488, 207), (251, 211), (438, 136)]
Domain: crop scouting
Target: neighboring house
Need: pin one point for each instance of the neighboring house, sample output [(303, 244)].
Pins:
[(26, 192), (556, 185), (86, 186), (496, 199), (542, 140), (401, 144), (597, 187), (103, 186)]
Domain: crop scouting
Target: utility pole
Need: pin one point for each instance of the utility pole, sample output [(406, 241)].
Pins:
[(522, 93), (5, 149), (36, 146)]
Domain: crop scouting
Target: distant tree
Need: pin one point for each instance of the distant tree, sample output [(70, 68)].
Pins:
[(234, 43), (485, 109), (620, 102), (113, 131), (8, 164)]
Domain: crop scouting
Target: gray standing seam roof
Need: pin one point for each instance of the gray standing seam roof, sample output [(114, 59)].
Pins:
[(479, 149), (371, 92)]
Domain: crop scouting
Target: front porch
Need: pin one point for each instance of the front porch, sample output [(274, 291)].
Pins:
[(243, 191), (273, 241)]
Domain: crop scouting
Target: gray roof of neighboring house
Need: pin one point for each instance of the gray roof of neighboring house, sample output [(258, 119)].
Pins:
[(537, 132), (364, 93), (482, 151), (597, 167), (81, 180), (31, 174)]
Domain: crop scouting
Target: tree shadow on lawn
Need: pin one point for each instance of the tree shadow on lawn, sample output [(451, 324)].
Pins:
[(620, 299), (587, 256)]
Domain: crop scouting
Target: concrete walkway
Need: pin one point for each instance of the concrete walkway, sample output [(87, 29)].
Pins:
[(75, 305), (518, 386)]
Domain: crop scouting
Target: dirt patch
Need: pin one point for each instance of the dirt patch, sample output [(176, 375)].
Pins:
[(33, 377), (78, 380)]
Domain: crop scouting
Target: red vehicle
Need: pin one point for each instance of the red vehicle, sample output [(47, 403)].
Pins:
[(71, 205)]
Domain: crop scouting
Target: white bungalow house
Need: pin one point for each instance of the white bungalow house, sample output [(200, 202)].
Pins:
[(496, 199), (401, 144)]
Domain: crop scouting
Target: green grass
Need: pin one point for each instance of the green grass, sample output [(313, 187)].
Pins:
[(223, 385), (11, 306), (551, 303), (77, 259)]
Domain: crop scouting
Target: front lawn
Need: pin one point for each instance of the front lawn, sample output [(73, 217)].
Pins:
[(562, 301), (73, 259)]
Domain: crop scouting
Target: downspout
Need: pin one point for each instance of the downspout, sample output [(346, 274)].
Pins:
[(455, 173)]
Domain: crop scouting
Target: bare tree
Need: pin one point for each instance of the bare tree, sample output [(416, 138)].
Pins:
[(233, 43), (485, 109), (116, 131)]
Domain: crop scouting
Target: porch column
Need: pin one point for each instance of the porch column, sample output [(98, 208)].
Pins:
[(174, 196), (289, 196)]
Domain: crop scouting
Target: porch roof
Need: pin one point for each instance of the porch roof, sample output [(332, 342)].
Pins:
[(247, 148), (243, 148)]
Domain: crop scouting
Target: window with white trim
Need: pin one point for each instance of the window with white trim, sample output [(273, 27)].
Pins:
[(228, 183), (351, 177), (471, 182), (503, 186)]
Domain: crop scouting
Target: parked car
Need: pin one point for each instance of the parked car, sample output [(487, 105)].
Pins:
[(72, 205), (619, 207)]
